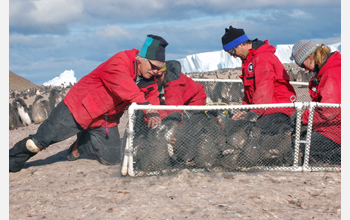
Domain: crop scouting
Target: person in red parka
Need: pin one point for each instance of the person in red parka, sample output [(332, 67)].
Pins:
[(177, 89), (264, 77), (324, 87), (174, 89), (93, 106)]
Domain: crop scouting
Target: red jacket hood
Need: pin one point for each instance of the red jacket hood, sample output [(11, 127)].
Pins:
[(264, 48)]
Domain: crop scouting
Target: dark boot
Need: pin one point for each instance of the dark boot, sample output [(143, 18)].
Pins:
[(19, 154), (73, 152)]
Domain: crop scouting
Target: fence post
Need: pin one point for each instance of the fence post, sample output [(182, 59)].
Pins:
[(299, 107), (127, 167), (306, 166)]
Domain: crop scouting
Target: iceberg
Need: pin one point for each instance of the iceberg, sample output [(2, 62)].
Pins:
[(64, 78)]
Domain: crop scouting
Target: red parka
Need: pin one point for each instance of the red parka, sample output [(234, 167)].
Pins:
[(327, 89), (180, 89), (265, 79), (101, 97)]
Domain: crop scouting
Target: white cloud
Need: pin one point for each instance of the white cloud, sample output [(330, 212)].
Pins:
[(299, 14), (41, 14), (57, 11), (327, 41), (112, 31)]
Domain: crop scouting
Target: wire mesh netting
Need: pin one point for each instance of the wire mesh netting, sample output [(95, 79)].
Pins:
[(210, 140)]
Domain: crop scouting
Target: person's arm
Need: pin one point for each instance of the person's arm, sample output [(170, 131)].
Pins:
[(330, 93)]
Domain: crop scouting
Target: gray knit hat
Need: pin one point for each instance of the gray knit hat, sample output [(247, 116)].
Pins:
[(302, 50)]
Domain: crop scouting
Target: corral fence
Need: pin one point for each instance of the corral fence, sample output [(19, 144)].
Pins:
[(205, 138)]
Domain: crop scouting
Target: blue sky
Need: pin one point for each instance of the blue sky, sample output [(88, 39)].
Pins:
[(47, 37)]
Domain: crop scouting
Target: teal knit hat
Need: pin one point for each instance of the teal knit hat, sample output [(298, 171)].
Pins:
[(154, 48)]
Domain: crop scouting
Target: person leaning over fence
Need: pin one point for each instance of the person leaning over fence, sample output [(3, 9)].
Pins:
[(93, 106), (177, 89), (265, 79), (174, 89), (324, 87)]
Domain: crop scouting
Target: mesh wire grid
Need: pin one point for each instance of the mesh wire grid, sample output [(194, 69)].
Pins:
[(208, 140)]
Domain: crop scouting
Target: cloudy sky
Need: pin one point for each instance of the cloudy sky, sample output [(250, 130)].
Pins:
[(47, 37)]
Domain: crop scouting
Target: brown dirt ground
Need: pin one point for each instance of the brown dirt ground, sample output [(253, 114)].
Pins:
[(51, 187)]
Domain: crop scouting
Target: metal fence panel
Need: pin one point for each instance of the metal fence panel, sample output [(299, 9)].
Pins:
[(209, 140)]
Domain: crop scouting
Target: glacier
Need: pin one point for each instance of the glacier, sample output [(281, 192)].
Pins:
[(210, 61), (64, 78)]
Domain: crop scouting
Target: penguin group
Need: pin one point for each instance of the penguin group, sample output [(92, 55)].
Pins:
[(21, 115), (211, 141)]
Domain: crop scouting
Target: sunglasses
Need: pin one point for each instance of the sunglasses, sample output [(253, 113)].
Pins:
[(154, 67), (233, 52)]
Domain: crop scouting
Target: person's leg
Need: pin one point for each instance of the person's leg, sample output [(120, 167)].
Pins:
[(59, 126), (96, 143)]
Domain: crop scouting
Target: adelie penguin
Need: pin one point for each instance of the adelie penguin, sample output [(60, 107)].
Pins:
[(14, 121), (23, 111), (40, 109), (155, 152), (55, 98)]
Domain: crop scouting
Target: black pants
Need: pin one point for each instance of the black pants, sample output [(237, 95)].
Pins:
[(95, 143)]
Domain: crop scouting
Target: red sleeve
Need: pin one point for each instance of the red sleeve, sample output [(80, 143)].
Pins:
[(330, 92)]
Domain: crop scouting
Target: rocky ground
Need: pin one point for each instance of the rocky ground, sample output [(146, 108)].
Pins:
[(51, 187)]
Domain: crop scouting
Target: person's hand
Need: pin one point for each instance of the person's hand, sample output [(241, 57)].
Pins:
[(239, 115), (153, 118)]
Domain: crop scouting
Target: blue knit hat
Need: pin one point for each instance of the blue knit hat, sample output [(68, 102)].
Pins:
[(154, 48), (233, 37), (302, 50)]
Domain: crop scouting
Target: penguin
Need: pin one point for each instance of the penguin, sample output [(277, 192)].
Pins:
[(228, 92), (40, 109), (251, 154), (23, 111), (199, 141), (55, 98), (154, 152), (207, 152), (277, 150), (14, 120), (236, 133)]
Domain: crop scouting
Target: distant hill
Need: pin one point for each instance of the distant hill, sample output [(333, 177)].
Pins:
[(19, 83)]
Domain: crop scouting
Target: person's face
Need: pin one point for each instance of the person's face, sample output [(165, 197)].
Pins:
[(308, 64), (238, 52), (149, 68), (160, 78)]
